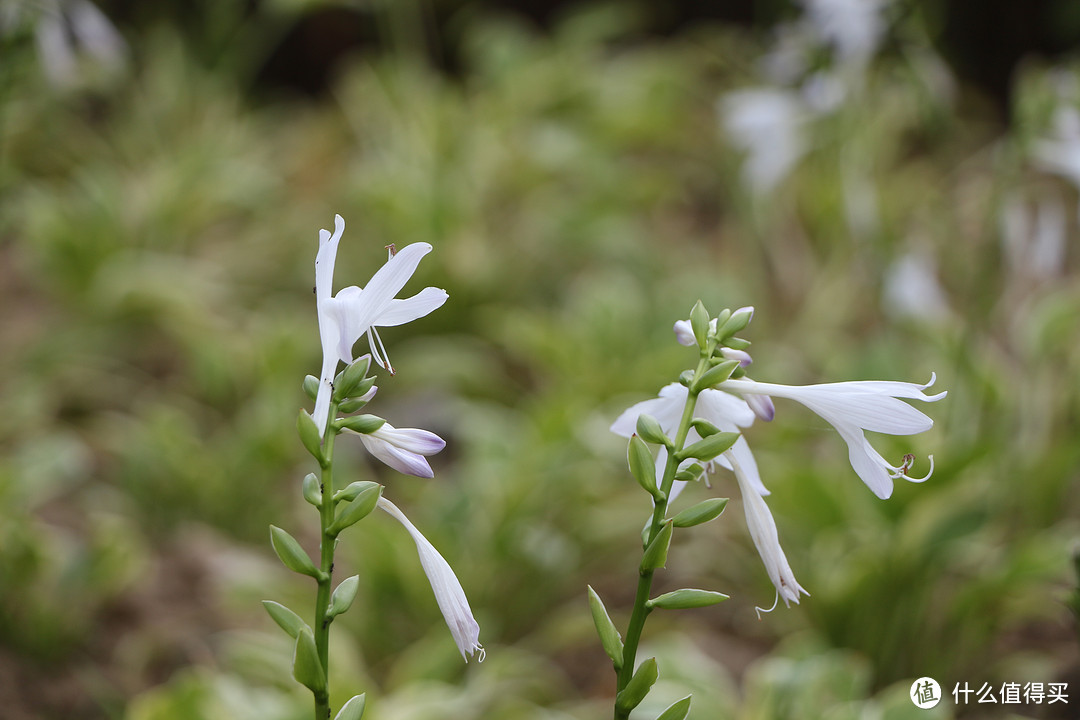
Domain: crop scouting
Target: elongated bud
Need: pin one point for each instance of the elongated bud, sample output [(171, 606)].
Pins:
[(655, 555), (309, 435), (354, 709), (736, 343), (362, 395), (363, 424), (356, 510), (708, 448), (291, 554), (699, 323), (311, 387), (684, 334), (738, 320), (677, 710), (715, 375), (649, 429), (686, 598), (638, 687), (690, 473), (609, 636), (702, 512), (348, 380), (307, 668), (686, 377), (343, 596), (286, 619), (312, 491), (704, 427), (352, 490), (643, 467)]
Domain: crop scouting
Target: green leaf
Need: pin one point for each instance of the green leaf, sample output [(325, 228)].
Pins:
[(677, 710), (353, 489), (715, 375), (291, 554), (312, 489), (638, 687), (286, 619), (686, 598), (702, 512), (359, 508), (708, 448), (363, 424), (343, 596), (311, 387), (307, 668), (352, 710), (609, 635), (347, 381), (655, 555), (649, 429), (309, 435), (643, 466), (699, 322)]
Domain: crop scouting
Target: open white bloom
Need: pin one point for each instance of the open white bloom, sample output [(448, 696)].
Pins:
[(722, 409), (763, 532), (448, 591), (403, 449), (852, 408), (344, 317)]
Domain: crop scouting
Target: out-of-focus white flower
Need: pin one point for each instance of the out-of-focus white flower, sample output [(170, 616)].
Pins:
[(344, 317), (722, 409), (759, 521), (1034, 237), (853, 27), (403, 449), (766, 123), (448, 591), (854, 407), (912, 289), (1060, 154), (75, 40)]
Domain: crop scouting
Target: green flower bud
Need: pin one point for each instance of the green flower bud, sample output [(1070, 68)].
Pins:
[(353, 489), (649, 429), (643, 467), (736, 343), (343, 596), (356, 510), (691, 473), (704, 427), (309, 435), (638, 687), (345, 384), (311, 387), (738, 320), (307, 668), (352, 710), (286, 619), (655, 555), (363, 424), (312, 489), (699, 322), (609, 636), (700, 513), (686, 377), (291, 554), (714, 375), (708, 448), (686, 598), (677, 710)]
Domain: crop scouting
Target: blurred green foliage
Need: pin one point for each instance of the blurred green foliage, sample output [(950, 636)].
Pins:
[(157, 235)]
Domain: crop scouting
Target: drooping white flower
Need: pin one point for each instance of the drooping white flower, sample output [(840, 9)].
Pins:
[(448, 591), (403, 449), (344, 317), (854, 407), (763, 532), (722, 409)]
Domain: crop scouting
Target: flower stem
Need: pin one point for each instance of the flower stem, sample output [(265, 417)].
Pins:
[(327, 546), (645, 577)]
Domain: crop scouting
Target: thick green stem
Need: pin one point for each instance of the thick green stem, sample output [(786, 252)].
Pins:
[(326, 564), (645, 577)]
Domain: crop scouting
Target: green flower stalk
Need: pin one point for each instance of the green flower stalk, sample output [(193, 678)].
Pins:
[(343, 319), (695, 426)]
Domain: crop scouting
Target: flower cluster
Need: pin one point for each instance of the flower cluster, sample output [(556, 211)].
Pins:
[(735, 401)]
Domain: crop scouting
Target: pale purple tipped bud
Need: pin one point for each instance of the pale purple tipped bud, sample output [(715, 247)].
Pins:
[(762, 405), (741, 355), (404, 449), (684, 333), (747, 310)]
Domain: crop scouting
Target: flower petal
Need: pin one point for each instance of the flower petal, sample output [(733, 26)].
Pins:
[(403, 461), (400, 312), (448, 591)]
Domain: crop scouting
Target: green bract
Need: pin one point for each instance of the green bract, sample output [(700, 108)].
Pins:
[(638, 687), (703, 512), (609, 636)]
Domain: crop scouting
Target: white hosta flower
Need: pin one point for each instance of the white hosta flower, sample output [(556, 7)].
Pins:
[(722, 409), (853, 27), (403, 449), (344, 317), (75, 40), (448, 591), (763, 532), (1061, 153), (912, 289), (767, 124), (854, 407)]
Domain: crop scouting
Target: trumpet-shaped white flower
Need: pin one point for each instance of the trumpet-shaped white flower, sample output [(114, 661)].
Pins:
[(854, 407), (448, 591), (722, 409), (759, 521), (403, 449), (354, 311)]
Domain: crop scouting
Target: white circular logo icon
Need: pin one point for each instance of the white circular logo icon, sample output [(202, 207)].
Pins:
[(925, 693)]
